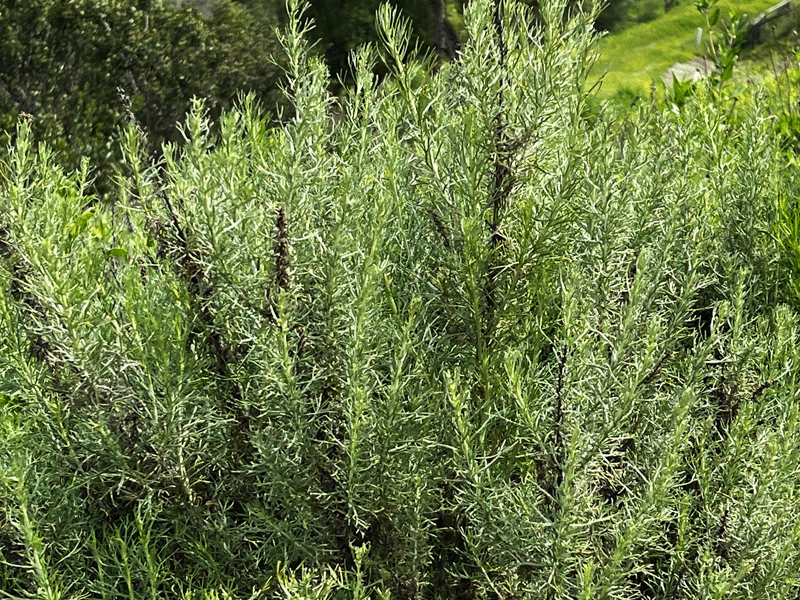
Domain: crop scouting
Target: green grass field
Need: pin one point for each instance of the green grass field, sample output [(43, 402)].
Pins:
[(641, 54)]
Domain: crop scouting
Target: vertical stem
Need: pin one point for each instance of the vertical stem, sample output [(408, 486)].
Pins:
[(281, 251), (560, 457), (502, 180)]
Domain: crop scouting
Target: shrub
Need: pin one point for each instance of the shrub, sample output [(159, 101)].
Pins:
[(446, 339)]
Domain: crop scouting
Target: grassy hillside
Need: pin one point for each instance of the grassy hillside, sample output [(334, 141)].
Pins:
[(635, 57)]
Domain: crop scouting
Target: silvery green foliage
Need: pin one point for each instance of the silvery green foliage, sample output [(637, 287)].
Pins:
[(444, 337)]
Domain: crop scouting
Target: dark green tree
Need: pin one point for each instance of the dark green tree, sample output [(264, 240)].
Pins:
[(342, 25), (76, 68)]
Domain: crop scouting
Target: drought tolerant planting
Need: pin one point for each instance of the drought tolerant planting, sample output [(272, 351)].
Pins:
[(452, 335)]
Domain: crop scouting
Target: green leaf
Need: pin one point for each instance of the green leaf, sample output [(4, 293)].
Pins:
[(727, 72), (115, 252), (714, 18), (79, 226)]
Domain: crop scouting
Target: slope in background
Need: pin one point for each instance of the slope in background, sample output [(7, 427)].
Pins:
[(635, 57)]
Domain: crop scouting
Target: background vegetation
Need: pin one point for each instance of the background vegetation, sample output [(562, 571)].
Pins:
[(80, 69), (635, 57), (456, 333)]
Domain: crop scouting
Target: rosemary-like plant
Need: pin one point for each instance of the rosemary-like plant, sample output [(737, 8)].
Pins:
[(442, 338)]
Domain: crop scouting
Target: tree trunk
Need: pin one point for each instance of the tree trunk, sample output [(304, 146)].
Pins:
[(444, 37)]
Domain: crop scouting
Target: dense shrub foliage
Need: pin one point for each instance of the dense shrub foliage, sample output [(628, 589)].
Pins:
[(78, 68), (445, 337)]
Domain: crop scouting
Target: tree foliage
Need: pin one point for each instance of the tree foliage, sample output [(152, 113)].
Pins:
[(80, 69)]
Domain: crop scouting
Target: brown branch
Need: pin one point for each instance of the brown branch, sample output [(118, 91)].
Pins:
[(654, 372), (440, 227), (281, 251)]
